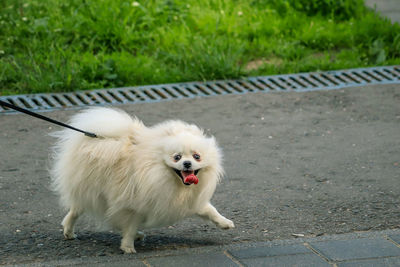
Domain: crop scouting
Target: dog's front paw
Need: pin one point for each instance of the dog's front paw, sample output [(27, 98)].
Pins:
[(226, 224), (128, 249)]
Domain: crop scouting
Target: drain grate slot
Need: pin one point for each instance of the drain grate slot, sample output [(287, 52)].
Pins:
[(61, 101), (47, 102), (15, 101), (114, 97), (70, 100), (392, 74), (330, 78), (257, 84), (352, 77), (104, 98), (224, 88), (326, 79), (37, 103), (363, 76), (180, 91), (29, 101), (204, 90), (140, 96), (135, 97), (346, 79), (25, 103), (286, 81), (189, 91), (271, 86), (235, 87), (74, 100), (215, 89), (118, 95), (277, 84), (249, 87), (160, 93), (84, 99), (192, 91), (169, 92), (308, 81), (382, 75), (155, 93), (151, 95), (94, 97), (298, 82), (342, 80), (372, 76), (127, 95), (11, 101), (6, 108), (318, 81)]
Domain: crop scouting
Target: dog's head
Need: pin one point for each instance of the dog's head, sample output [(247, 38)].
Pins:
[(188, 155)]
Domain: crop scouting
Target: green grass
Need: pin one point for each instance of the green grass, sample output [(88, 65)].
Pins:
[(58, 45)]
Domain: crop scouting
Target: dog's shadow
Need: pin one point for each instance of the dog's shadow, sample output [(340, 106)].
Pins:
[(152, 242), (26, 246)]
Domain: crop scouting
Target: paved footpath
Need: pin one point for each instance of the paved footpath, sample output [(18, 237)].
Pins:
[(316, 164), (357, 249), (387, 8)]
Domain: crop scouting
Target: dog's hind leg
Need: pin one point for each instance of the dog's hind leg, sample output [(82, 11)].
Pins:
[(128, 222), (128, 236), (69, 221)]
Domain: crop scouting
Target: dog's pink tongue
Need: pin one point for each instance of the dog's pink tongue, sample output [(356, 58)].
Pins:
[(191, 179)]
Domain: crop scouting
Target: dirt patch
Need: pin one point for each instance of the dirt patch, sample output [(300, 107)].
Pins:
[(259, 63)]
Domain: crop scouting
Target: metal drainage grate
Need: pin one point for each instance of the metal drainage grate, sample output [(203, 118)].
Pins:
[(154, 93)]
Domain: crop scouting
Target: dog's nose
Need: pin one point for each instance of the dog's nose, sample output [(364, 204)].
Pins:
[(187, 164)]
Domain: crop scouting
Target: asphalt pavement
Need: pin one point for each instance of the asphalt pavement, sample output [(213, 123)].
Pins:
[(299, 166)]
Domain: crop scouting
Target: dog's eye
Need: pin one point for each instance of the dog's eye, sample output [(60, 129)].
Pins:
[(196, 156), (177, 157)]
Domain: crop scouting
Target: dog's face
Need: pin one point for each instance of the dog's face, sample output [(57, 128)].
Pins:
[(186, 164), (187, 155)]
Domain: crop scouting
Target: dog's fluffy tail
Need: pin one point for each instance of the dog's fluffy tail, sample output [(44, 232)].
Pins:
[(106, 122), (74, 150)]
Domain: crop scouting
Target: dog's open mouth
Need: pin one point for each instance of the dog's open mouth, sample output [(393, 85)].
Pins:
[(188, 177)]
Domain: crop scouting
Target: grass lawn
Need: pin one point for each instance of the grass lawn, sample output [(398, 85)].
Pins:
[(66, 45)]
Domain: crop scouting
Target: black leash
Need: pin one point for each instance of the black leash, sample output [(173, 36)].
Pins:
[(5, 104)]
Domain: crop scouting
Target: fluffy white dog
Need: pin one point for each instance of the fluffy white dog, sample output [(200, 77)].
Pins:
[(135, 177)]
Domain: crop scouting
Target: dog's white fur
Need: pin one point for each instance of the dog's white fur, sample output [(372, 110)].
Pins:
[(127, 176)]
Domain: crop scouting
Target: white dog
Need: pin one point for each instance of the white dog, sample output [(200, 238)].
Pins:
[(135, 177)]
